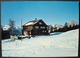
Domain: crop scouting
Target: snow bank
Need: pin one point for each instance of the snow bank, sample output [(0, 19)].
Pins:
[(55, 45)]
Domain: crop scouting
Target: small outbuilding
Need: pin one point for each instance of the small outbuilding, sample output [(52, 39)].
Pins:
[(5, 34)]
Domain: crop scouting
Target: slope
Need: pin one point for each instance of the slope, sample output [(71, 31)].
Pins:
[(60, 45)]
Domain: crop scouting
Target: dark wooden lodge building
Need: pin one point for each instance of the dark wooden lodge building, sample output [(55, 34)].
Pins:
[(35, 27)]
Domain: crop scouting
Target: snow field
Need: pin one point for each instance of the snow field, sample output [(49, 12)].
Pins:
[(61, 45)]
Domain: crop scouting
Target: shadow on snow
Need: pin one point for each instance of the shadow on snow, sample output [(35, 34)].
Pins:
[(55, 33)]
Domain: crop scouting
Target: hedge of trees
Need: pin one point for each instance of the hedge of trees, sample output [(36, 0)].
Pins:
[(67, 26)]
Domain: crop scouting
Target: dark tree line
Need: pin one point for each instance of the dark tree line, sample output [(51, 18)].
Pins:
[(65, 28)]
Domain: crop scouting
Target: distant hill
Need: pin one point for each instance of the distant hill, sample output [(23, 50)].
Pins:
[(18, 30), (72, 23)]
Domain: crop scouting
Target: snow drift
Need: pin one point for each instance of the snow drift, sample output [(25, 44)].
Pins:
[(54, 45)]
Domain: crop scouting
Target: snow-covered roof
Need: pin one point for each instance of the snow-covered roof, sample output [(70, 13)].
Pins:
[(6, 27), (31, 22), (58, 26)]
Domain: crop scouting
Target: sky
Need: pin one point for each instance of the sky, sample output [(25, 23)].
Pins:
[(51, 12)]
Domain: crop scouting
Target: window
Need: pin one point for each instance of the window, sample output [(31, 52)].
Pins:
[(40, 23), (45, 31), (42, 27), (37, 27)]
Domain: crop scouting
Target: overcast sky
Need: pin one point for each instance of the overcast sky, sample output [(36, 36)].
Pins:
[(50, 12)]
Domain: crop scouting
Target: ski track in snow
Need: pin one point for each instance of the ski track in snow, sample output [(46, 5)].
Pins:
[(60, 45)]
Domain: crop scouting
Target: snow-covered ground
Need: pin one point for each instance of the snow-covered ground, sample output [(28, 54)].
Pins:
[(54, 45)]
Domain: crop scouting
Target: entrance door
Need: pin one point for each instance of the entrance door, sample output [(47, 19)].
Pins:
[(25, 33)]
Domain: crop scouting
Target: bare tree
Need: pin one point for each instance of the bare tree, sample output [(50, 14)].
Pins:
[(12, 26)]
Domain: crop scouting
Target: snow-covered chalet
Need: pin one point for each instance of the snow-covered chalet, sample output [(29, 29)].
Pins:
[(35, 27)]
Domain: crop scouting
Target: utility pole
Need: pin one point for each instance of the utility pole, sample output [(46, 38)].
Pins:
[(21, 29)]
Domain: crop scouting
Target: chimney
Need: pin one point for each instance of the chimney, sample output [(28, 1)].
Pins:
[(35, 18)]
